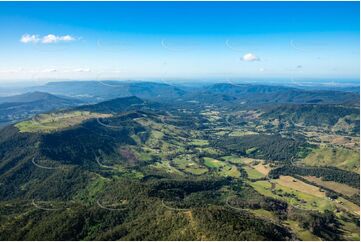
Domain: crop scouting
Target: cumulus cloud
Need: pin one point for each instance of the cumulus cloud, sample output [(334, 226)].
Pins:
[(47, 39), (250, 57), (27, 38), (50, 38)]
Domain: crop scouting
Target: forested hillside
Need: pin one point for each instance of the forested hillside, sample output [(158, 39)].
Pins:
[(229, 162)]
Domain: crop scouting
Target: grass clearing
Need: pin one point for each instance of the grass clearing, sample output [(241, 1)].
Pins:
[(241, 160), (221, 133), (345, 204), (262, 213), (261, 168), (352, 232), (291, 182), (165, 166), (208, 150), (187, 163), (342, 158), (253, 173), (241, 133), (199, 142), (46, 123), (233, 159), (222, 168), (302, 234), (213, 163), (231, 171), (251, 150), (335, 186), (211, 115), (293, 197)]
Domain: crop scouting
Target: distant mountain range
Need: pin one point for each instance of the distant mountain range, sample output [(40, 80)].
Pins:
[(214, 93), (105, 90), (58, 95), (23, 106), (33, 97)]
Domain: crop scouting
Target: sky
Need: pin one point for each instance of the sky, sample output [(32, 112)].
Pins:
[(179, 41)]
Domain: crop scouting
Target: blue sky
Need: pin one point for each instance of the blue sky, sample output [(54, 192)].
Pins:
[(179, 40)]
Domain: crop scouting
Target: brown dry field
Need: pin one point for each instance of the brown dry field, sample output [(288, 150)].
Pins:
[(291, 182), (264, 169), (335, 186)]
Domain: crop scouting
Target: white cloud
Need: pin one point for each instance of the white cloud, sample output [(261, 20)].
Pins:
[(250, 57), (47, 39), (50, 38), (27, 38)]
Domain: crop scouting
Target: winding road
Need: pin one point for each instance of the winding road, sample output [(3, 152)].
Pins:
[(174, 209), (43, 167), (46, 209)]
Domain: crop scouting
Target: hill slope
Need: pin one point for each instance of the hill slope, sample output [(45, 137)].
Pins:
[(19, 107)]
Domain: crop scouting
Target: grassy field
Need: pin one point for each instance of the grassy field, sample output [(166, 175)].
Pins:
[(241, 133), (352, 232), (165, 166), (229, 170), (262, 213), (344, 125), (342, 158), (255, 168), (212, 116), (335, 186), (241, 160), (302, 234), (345, 204), (234, 159), (213, 163), (208, 150), (261, 168), (222, 168), (188, 164), (253, 173), (302, 195), (292, 196), (293, 183), (199, 142), (46, 123)]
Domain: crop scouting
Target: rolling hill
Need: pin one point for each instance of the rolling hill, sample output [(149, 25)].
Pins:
[(195, 165), (20, 107)]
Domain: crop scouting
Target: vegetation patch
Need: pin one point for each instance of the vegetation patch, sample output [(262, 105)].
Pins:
[(335, 186), (188, 164), (291, 182), (253, 173), (46, 123), (342, 158), (327, 173), (213, 163)]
